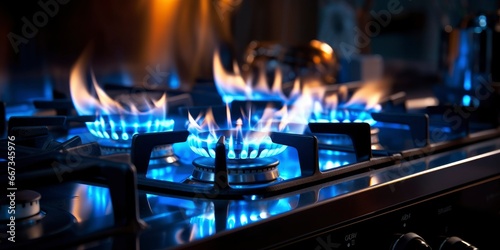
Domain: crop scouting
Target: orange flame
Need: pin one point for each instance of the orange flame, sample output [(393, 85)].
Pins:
[(208, 123), (132, 104), (312, 93), (370, 94), (181, 36), (338, 106), (234, 86)]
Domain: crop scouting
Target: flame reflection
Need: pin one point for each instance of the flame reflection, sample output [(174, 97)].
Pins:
[(201, 217), (120, 117)]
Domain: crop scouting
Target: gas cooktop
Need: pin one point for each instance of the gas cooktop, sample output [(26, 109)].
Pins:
[(392, 178)]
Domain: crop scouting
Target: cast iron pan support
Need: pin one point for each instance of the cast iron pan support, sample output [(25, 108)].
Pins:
[(221, 178), (119, 177), (358, 132), (143, 144), (307, 149), (122, 183), (56, 121), (418, 123)]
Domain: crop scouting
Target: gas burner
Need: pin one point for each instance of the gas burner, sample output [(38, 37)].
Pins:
[(160, 154), (115, 138), (240, 144), (244, 138), (342, 106), (346, 115), (26, 204), (241, 171), (114, 134), (119, 116), (121, 128), (31, 220)]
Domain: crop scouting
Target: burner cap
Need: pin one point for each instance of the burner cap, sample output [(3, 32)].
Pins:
[(26, 203), (241, 171)]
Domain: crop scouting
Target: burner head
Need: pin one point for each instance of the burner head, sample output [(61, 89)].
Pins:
[(31, 222), (121, 115), (240, 144), (114, 134), (26, 203), (241, 171)]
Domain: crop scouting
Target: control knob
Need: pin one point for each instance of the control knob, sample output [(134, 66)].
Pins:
[(410, 241), (455, 243)]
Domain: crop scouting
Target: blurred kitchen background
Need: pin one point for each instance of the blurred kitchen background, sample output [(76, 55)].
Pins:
[(171, 43)]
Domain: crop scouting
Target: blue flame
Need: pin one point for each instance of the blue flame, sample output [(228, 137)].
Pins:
[(114, 127), (260, 146), (345, 115), (246, 139)]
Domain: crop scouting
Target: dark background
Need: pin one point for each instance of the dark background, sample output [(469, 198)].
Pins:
[(118, 31)]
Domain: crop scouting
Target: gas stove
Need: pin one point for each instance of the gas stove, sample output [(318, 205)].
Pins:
[(404, 179), (249, 125)]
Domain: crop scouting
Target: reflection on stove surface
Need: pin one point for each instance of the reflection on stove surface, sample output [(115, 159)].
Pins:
[(177, 220)]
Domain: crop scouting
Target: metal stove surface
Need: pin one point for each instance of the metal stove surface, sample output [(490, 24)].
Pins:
[(208, 222), (335, 185)]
